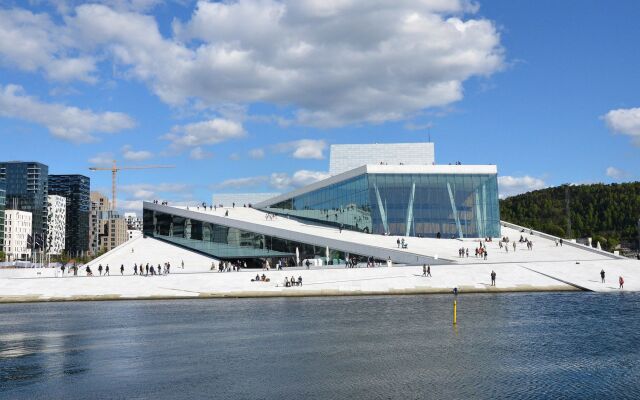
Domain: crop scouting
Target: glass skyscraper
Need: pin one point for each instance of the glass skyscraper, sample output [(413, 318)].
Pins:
[(76, 189), (26, 190)]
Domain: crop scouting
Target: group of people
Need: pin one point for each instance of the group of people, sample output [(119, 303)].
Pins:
[(481, 251), (620, 279), (426, 270), (530, 243), (402, 244), (292, 281), (262, 278), (101, 269), (147, 269), (462, 252), (228, 266)]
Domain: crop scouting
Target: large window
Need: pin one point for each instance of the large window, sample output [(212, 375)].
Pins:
[(226, 242), (428, 205)]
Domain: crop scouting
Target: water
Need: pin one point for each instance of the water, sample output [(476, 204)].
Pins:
[(547, 345)]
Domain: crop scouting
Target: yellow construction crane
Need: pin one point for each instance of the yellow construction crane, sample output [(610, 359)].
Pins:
[(114, 171)]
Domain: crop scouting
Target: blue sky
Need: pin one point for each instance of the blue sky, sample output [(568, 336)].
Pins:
[(249, 95)]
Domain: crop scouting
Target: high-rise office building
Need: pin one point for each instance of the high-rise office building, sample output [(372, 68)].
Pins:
[(26, 190), (76, 189), (17, 235), (107, 229), (56, 224), (3, 195)]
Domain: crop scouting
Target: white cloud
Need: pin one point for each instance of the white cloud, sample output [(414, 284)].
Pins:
[(615, 173), (304, 149), (322, 59), (256, 154), (102, 159), (198, 153), (277, 180), (298, 179), (32, 42), (64, 122), (242, 182), (151, 191), (626, 122), (129, 154), (204, 133), (512, 185)]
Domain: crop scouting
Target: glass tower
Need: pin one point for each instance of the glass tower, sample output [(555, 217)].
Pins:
[(76, 189), (26, 190)]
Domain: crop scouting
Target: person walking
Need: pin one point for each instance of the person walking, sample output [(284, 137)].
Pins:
[(424, 269), (429, 270), (621, 282), (602, 276), (398, 242), (121, 269), (100, 269), (514, 246), (106, 270), (182, 264), (135, 269), (493, 278)]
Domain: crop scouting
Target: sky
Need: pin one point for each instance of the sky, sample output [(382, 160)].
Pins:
[(248, 95)]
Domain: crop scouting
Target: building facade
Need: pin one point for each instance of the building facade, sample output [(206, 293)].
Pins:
[(26, 190), (345, 157), (107, 229), (134, 223), (394, 193), (56, 215), (76, 190), (3, 196), (17, 235), (403, 200)]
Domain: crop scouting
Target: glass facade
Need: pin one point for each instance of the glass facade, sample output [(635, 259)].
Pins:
[(27, 189), (424, 205), (3, 194), (76, 189), (229, 243)]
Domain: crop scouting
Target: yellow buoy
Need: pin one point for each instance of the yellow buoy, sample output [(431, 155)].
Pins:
[(455, 312)]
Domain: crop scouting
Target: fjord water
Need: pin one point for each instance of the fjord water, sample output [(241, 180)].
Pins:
[(537, 345)]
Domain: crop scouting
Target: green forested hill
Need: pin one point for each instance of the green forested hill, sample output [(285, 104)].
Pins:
[(608, 213)]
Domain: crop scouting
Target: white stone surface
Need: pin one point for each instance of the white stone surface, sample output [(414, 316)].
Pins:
[(546, 267), (345, 157)]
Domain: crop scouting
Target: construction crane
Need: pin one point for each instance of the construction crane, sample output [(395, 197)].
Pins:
[(114, 171)]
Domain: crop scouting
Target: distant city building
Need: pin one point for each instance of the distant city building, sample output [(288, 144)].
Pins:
[(345, 157), (56, 223), (107, 229), (26, 190), (240, 199), (75, 189), (134, 222), (3, 195), (17, 235)]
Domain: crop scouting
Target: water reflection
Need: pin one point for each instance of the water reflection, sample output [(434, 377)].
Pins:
[(520, 345)]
